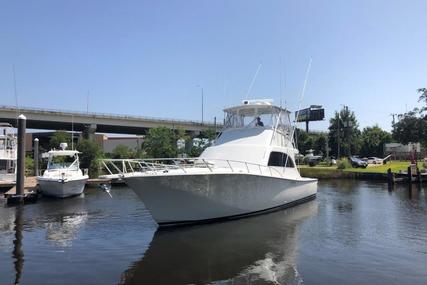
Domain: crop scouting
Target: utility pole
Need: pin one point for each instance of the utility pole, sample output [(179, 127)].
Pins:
[(338, 136), (202, 105), (393, 115), (202, 100)]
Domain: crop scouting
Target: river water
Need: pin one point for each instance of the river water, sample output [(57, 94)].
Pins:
[(353, 233)]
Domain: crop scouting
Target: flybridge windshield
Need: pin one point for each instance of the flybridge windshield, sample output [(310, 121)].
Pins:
[(61, 162), (267, 117)]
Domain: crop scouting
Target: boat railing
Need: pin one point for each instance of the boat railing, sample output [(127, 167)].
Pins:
[(8, 154), (121, 167)]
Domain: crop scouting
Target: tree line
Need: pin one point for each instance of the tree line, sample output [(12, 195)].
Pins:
[(160, 142), (344, 138)]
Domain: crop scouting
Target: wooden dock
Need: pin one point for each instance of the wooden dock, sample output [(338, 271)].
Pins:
[(7, 184), (97, 181), (30, 192)]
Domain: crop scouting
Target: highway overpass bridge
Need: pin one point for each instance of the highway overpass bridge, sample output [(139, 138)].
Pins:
[(96, 122)]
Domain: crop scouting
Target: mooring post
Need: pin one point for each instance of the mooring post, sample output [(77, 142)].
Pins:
[(390, 178), (418, 175), (409, 174), (20, 170), (36, 157)]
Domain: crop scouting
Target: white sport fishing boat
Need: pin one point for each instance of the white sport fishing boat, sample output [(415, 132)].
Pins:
[(249, 169), (63, 176), (8, 154)]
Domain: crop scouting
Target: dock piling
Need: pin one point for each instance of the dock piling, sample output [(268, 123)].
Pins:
[(21, 194), (419, 176), (36, 157), (390, 178), (20, 171)]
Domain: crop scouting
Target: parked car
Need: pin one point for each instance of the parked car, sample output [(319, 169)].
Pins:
[(357, 162), (374, 160), (314, 160)]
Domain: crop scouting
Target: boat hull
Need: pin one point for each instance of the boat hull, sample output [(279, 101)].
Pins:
[(183, 199), (61, 188)]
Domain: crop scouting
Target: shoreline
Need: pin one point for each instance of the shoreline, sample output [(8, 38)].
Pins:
[(358, 173), (330, 173)]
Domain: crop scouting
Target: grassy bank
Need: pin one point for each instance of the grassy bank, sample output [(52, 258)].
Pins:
[(333, 172)]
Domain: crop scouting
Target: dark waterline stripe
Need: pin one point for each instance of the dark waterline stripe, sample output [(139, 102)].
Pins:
[(164, 225)]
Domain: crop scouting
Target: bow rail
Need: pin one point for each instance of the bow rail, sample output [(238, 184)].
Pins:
[(121, 167)]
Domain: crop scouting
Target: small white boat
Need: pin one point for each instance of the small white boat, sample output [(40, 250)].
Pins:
[(250, 169), (63, 176), (8, 153)]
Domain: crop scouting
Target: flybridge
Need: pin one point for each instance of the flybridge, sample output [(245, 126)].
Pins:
[(258, 113)]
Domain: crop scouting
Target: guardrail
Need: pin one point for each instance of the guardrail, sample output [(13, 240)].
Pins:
[(121, 167), (108, 115)]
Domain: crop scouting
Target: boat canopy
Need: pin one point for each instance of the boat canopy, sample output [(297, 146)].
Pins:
[(252, 112), (60, 153)]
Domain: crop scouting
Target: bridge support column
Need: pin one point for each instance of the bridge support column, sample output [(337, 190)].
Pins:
[(89, 132), (189, 142)]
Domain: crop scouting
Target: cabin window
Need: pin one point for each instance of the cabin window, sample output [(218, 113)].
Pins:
[(280, 159)]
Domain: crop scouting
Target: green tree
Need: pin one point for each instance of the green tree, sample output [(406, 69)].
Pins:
[(203, 140), (160, 142), (122, 152), (320, 143), (181, 134), (343, 131), (410, 128), (304, 141), (29, 165), (90, 155), (373, 140), (209, 134), (60, 137), (423, 97)]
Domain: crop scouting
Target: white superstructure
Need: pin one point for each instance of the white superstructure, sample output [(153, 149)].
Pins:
[(8, 153), (63, 176), (249, 169)]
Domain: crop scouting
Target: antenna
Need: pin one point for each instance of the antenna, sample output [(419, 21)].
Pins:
[(307, 73), (72, 132), (253, 80), (87, 102), (300, 101), (302, 95), (226, 97), (281, 78)]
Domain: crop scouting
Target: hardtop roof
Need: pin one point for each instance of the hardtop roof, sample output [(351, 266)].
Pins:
[(256, 107), (62, 152)]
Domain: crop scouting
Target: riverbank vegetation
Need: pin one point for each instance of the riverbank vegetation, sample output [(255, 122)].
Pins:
[(344, 138), (395, 166), (159, 142)]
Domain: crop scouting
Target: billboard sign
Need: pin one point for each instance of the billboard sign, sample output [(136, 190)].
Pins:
[(314, 113)]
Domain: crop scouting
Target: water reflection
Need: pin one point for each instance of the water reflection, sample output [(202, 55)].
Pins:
[(63, 219), (249, 251), (18, 253), (361, 234)]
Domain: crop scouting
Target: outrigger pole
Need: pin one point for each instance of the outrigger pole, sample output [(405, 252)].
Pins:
[(307, 73)]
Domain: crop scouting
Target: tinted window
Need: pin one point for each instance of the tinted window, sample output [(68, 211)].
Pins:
[(279, 159)]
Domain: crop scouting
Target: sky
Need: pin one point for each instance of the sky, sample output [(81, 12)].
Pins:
[(152, 58)]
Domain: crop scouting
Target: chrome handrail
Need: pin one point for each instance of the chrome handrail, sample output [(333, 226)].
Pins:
[(157, 164)]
